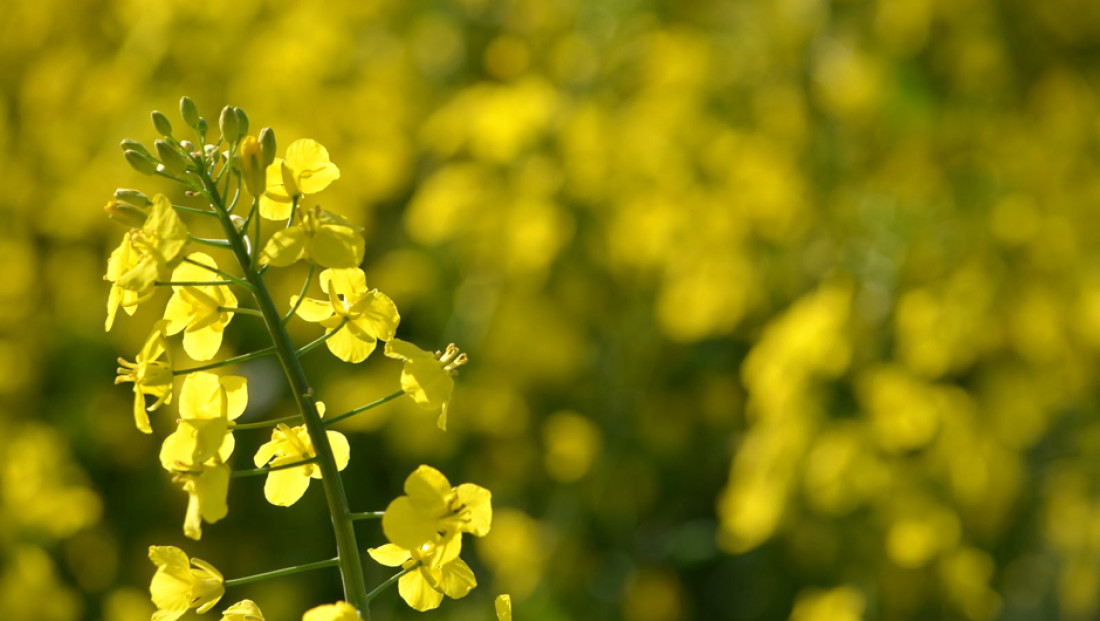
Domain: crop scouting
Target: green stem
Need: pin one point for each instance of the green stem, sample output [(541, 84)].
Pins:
[(243, 311), (267, 351), (368, 515), (263, 424), (350, 561), (194, 210), (364, 408), (302, 295), (258, 471), (193, 283), (382, 587), (244, 283), (217, 243), (279, 573)]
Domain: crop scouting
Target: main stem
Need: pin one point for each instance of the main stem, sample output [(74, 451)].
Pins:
[(350, 563)]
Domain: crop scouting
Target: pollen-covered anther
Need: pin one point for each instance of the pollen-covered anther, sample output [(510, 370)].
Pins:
[(451, 358)]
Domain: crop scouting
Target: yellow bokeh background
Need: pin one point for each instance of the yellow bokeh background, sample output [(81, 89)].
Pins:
[(775, 310)]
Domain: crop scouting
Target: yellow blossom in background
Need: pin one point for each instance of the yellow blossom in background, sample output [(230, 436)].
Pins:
[(844, 603), (181, 583), (244, 610), (321, 236), (423, 588), (305, 170), (358, 316), (427, 378), (199, 310), (340, 611), (290, 445), (149, 374), (503, 606)]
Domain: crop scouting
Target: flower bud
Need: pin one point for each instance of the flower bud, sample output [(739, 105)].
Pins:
[(136, 198), (253, 170), (140, 161), (242, 121), (160, 122), (267, 143), (188, 111), (227, 122), (126, 214), (134, 145), (202, 127), (171, 158)]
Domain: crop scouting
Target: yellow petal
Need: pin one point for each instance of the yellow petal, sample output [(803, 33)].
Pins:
[(340, 611), (417, 593), (141, 417), (337, 247), (244, 610), (284, 248), (407, 527), (236, 393), (312, 310), (478, 502), (311, 166), (349, 348), (177, 312), (201, 396), (389, 555), (427, 382), (458, 579), (341, 452), (348, 282), (380, 313), (404, 350), (285, 487), (503, 605)]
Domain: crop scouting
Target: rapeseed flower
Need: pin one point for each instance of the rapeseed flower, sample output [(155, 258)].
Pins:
[(360, 317), (423, 588), (306, 170), (199, 310), (150, 374), (181, 584), (323, 237), (426, 377), (144, 253), (340, 611), (290, 445), (434, 512), (503, 605)]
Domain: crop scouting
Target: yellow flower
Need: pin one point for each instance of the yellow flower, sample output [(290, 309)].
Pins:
[(150, 375), (423, 588), (340, 611), (360, 317), (244, 610), (323, 237), (434, 512), (503, 605), (425, 377), (143, 254), (306, 170), (290, 445), (181, 583), (196, 310)]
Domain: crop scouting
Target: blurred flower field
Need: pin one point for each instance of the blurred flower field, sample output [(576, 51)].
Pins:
[(774, 310)]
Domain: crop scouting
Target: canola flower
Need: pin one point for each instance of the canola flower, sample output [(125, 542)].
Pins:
[(198, 453)]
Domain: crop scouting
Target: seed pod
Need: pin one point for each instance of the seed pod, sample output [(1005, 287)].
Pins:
[(161, 123), (267, 144), (140, 161), (189, 111)]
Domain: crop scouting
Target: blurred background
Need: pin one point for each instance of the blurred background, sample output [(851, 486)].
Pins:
[(775, 310)]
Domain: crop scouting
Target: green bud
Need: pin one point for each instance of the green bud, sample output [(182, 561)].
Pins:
[(267, 145), (188, 111), (126, 214), (132, 197), (141, 162), (160, 122), (227, 122), (253, 170), (171, 158), (242, 121), (134, 145), (202, 127)]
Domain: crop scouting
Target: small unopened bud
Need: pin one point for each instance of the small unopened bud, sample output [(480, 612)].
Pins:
[(202, 126), (126, 214), (141, 162), (161, 123), (171, 158), (187, 145), (189, 111), (238, 222), (212, 153), (227, 122), (242, 121), (134, 145), (133, 197), (267, 144), (253, 170)]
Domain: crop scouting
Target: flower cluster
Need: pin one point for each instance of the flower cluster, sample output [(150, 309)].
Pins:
[(426, 525)]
